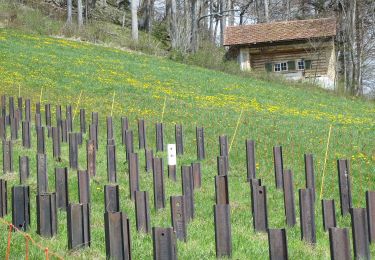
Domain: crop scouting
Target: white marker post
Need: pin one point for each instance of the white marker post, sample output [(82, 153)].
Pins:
[(172, 161)]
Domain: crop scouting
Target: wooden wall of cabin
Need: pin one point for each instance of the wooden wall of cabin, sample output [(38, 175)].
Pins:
[(319, 56)]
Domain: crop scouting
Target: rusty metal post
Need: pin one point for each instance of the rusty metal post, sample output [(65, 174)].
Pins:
[(250, 160), (179, 138), (289, 206), (3, 129), (254, 183), (201, 154), (278, 165), (277, 244), (197, 175), (69, 118), (40, 139), (78, 219), (3, 198), (178, 217), (46, 214), (224, 149), (158, 177), (339, 243), (23, 169), (172, 172), (58, 117), (26, 136), (222, 166), (111, 198), (13, 128), (21, 207), (95, 118), (221, 189), (260, 215), (62, 188), (148, 158), (109, 128), (142, 211), (360, 233), (3, 105), (129, 143), (344, 186), (91, 157), (159, 137), (111, 164), (188, 191), (82, 120), (93, 134), (56, 144), (64, 131), (124, 127), (370, 206), (20, 108), (73, 151), (164, 243), (42, 176), (11, 106), (133, 174), (7, 156), (142, 140), (309, 172), (27, 110), (329, 214), (307, 215), (83, 186), (47, 113), (223, 234), (37, 108), (117, 236)]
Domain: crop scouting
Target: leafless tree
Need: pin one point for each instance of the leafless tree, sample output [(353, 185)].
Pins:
[(134, 9)]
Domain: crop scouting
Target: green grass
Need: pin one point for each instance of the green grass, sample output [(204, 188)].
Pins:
[(57, 71)]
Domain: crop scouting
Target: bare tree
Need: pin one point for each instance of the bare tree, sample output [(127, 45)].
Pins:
[(134, 9), (69, 7), (79, 13), (266, 10)]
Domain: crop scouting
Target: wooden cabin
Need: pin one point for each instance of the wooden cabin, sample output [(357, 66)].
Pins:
[(301, 49)]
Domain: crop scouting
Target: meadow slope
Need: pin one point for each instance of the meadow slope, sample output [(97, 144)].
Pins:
[(59, 71)]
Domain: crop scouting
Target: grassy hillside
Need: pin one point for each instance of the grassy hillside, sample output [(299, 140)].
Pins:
[(59, 71)]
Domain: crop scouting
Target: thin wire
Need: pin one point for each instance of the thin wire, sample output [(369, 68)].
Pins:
[(235, 131), (325, 163), (75, 111), (162, 114)]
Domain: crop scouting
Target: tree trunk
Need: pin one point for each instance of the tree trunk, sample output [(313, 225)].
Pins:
[(211, 27), (69, 8), (79, 13), (193, 18), (134, 20), (222, 22), (266, 11), (173, 24), (286, 9), (231, 13), (86, 11)]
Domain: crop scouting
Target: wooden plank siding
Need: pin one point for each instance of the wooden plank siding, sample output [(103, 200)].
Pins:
[(276, 54)]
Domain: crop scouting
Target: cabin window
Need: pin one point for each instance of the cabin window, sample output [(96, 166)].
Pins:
[(301, 64), (282, 66)]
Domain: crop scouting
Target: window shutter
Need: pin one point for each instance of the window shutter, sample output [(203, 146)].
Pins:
[(307, 64), (268, 67), (291, 65)]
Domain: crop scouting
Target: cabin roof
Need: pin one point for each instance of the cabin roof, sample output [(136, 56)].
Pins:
[(279, 31)]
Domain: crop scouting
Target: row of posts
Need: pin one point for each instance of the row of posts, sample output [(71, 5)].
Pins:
[(182, 207)]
